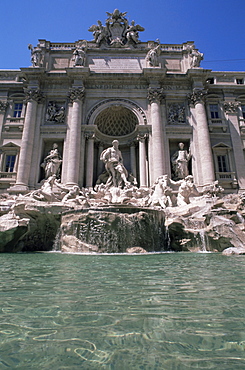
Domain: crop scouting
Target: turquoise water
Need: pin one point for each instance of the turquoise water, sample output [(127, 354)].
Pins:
[(163, 311)]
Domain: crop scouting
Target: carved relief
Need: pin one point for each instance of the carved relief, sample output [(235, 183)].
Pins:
[(55, 113), (176, 114)]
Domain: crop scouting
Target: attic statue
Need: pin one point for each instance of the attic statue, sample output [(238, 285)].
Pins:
[(117, 31), (36, 55), (79, 54), (152, 56)]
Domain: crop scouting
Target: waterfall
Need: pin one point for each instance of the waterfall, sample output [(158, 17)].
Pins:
[(203, 241)]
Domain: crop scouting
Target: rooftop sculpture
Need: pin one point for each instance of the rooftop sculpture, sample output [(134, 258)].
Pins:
[(117, 31)]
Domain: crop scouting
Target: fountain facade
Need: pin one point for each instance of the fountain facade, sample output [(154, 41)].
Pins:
[(181, 145)]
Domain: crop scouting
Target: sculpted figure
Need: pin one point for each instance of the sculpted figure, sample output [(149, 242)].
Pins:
[(55, 114), (60, 115), (46, 192), (52, 162), (112, 157), (100, 33), (152, 56), (79, 55), (163, 194), (186, 189), (35, 55), (196, 56), (51, 111), (180, 161), (213, 190), (132, 34)]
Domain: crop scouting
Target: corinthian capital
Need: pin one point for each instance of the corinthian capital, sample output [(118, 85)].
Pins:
[(33, 95), (76, 94), (155, 95), (230, 106), (3, 105), (197, 96), (142, 137)]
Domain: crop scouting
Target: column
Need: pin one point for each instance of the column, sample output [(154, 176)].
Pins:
[(142, 160), (133, 159), (202, 132), (76, 96), (33, 97), (90, 159), (100, 163), (155, 97), (82, 160), (230, 109)]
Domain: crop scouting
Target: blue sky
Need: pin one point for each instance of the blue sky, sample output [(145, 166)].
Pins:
[(216, 26)]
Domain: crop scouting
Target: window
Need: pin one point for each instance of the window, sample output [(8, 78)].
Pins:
[(222, 163), (214, 111), (239, 81), (10, 162), (17, 110)]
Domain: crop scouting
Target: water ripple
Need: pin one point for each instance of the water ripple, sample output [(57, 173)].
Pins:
[(166, 311)]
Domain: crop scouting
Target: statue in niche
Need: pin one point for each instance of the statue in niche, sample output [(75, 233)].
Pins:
[(79, 54), (180, 161), (132, 33), (52, 162), (112, 157), (55, 114), (36, 55), (152, 56)]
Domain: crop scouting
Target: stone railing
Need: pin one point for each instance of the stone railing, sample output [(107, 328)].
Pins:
[(217, 123), (172, 47), (8, 175), (226, 177), (14, 123)]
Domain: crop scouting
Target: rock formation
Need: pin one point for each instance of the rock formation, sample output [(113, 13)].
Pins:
[(118, 217)]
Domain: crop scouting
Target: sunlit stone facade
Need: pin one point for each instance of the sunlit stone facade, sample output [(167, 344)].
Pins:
[(150, 96)]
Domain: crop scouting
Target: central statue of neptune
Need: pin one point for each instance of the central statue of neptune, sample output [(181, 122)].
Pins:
[(112, 157)]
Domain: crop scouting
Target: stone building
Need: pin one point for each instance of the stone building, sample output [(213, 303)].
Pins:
[(148, 95)]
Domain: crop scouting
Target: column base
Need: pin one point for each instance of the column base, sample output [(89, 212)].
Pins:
[(18, 189)]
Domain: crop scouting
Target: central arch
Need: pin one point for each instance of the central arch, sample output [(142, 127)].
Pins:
[(119, 119)]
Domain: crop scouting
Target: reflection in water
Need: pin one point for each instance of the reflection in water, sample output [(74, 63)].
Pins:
[(163, 311)]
